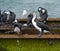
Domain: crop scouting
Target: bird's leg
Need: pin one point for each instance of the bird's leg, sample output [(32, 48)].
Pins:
[(41, 33)]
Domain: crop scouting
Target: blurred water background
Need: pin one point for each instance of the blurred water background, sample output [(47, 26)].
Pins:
[(17, 6)]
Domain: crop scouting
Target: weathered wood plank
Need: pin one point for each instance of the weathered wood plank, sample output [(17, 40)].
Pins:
[(49, 19), (54, 22), (57, 36)]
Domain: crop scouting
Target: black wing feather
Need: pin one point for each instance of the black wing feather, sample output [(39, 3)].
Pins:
[(43, 26)]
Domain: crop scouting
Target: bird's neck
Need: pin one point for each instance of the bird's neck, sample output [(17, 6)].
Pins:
[(33, 20), (34, 17), (34, 23)]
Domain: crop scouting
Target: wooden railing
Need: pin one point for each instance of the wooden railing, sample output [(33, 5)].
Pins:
[(28, 32)]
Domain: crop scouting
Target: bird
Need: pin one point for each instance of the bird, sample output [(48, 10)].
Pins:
[(17, 27), (39, 25), (43, 14), (24, 13), (8, 16), (8, 13)]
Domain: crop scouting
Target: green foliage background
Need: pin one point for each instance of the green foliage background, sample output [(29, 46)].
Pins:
[(29, 45)]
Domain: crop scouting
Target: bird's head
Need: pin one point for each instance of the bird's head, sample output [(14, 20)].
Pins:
[(39, 9), (7, 12)]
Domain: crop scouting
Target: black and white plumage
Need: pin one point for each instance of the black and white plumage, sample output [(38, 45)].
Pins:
[(17, 27), (39, 25), (43, 14), (8, 16)]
